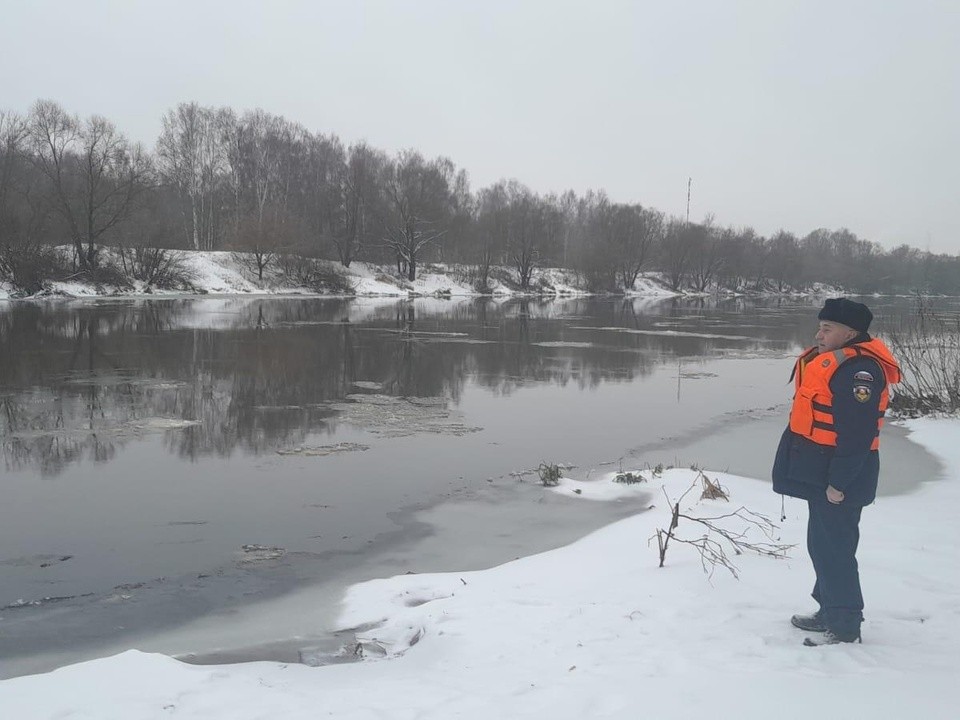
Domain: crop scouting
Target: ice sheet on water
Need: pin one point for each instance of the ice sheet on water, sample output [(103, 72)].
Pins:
[(324, 450), (391, 416)]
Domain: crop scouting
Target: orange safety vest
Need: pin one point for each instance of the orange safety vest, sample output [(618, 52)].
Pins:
[(812, 413)]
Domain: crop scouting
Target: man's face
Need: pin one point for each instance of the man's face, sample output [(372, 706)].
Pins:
[(833, 335)]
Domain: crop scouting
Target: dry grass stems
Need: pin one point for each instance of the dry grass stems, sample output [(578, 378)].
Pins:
[(549, 474), (927, 344), (712, 490)]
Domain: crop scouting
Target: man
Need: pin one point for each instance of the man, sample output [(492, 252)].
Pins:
[(828, 456)]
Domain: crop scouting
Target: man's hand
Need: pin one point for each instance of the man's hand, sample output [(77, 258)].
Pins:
[(833, 495)]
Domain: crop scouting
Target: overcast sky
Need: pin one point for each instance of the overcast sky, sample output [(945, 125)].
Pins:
[(791, 115)]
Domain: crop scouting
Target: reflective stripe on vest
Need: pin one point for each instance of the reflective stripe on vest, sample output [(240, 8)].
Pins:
[(812, 413)]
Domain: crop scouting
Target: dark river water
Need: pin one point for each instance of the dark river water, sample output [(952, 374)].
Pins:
[(204, 476)]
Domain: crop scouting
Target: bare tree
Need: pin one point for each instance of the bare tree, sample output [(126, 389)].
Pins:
[(598, 231), (13, 134), (708, 258), (269, 177), (261, 239), (416, 208), (192, 157), (904, 268), (784, 265), (640, 233), (743, 258), (865, 275), (95, 175), (616, 241), (353, 220), (460, 225), (492, 222), (256, 154), (533, 224), (677, 253), (25, 211)]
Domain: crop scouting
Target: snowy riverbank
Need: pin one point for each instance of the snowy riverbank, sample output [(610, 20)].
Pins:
[(596, 629), (220, 273)]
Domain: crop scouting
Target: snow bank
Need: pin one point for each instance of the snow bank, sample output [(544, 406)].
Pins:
[(431, 280), (651, 285), (596, 629), (220, 273)]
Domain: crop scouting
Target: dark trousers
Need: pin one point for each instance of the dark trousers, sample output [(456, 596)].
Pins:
[(833, 532)]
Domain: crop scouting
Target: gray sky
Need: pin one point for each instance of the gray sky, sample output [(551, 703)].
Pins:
[(791, 115)]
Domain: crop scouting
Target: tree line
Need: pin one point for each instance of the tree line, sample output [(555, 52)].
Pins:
[(268, 188)]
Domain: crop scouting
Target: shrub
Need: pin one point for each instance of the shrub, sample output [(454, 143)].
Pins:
[(505, 277), (331, 280), (106, 275), (158, 267), (542, 286), (927, 345), (549, 474), (476, 276), (27, 266), (598, 281), (317, 275)]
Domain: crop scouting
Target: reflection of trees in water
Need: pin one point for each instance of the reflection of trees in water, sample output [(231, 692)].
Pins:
[(53, 429), (419, 365), (259, 374)]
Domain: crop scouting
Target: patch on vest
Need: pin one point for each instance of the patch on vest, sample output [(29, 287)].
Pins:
[(863, 376), (861, 393), (826, 363)]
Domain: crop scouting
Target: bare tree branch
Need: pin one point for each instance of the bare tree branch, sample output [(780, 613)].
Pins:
[(718, 540)]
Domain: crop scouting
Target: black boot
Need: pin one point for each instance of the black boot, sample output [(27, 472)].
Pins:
[(810, 623), (831, 638)]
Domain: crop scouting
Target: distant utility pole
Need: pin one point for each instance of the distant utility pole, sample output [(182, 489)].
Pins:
[(689, 181)]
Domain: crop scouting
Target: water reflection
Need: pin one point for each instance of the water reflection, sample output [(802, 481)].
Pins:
[(82, 380)]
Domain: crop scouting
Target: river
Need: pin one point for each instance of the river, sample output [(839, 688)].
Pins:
[(204, 476)]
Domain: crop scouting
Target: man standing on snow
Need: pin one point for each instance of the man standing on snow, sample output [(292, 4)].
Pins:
[(828, 456)]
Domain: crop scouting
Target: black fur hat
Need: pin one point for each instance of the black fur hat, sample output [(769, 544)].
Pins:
[(847, 312)]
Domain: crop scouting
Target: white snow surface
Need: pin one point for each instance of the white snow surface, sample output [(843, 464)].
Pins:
[(597, 630), (220, 273)]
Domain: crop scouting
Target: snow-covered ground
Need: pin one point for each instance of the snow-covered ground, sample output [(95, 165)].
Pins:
[(220, 273), (597, 630)]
